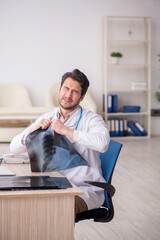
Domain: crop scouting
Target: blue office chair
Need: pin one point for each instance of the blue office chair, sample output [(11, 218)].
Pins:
[(108, 161)]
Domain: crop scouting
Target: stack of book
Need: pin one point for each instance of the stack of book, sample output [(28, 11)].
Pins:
[(120, 127)]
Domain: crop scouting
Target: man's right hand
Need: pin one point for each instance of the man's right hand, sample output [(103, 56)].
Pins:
[(44, 123)]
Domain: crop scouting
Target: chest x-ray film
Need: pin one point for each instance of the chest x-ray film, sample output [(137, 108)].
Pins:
[(49, 151)]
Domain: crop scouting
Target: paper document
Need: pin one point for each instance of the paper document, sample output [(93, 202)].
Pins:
[(4, 171)]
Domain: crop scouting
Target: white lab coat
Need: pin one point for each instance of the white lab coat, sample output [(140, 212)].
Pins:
[(93, 138)]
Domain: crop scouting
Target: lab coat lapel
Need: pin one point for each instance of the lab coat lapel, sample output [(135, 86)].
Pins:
[(72, 121)]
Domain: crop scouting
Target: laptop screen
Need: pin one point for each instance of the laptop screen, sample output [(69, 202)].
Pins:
[(33, 182)]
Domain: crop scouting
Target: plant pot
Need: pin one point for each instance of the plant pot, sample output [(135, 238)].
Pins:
[(115, 60)]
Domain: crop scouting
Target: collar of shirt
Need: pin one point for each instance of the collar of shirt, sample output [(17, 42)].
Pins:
[(72, 119), (64, 120)]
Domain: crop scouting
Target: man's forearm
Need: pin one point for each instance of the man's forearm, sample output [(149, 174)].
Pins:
[(68, 132)]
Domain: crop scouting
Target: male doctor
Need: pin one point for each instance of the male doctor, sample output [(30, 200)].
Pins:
[(86, 131)]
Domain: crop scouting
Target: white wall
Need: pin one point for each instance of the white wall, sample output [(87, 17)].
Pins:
[(42, 39)]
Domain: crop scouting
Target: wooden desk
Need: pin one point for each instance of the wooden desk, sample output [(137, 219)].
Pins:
[(37, 214)]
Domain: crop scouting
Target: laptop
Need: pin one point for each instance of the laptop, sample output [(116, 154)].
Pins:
[(33, 183)]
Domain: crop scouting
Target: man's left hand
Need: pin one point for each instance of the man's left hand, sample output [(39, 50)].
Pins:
[(58, 126), (61, 129)]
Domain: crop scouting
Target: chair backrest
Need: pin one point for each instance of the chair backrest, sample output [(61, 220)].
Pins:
[(108, 161), (52, 98), (14, 95)]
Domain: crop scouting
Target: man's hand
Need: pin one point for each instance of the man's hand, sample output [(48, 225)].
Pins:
[(44, 123), (61, 129)]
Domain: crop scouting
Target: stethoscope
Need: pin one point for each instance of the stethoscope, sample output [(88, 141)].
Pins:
[(78, 118)]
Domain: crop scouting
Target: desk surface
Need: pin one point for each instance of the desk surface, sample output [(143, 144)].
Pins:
[(24, 170)]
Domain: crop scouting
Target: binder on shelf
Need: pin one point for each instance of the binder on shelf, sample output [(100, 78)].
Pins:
[(114, 103), (103, 102), (109, 103), (112, 132), (116, 127), (131, 132), (139, 126), (110, 127), (131, 109), (125, 127), (121, 127), (134, 128)]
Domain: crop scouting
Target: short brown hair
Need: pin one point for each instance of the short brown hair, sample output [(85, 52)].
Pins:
[(78, 76)]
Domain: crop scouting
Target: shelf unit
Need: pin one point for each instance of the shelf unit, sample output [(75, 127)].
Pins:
[(132, 37)]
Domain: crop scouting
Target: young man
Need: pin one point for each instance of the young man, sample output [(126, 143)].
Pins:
[(86, 131)]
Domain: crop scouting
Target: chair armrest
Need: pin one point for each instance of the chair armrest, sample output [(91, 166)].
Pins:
[(110, 189)]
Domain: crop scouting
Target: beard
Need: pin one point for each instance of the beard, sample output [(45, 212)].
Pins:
[(72, 107)]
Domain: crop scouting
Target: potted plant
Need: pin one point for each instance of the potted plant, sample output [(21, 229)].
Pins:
[(115, 57)]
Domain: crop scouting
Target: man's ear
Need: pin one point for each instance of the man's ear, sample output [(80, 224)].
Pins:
[(82, 97)]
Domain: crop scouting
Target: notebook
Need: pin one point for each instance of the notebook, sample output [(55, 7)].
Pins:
[(33, 183), (4, 171)]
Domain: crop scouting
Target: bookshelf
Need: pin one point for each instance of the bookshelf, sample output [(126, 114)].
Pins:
[(129, 79)]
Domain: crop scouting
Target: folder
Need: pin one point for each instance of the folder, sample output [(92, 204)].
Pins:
[(116, 127), (121, 127), (134, 128), (128, 109), (130, 132), (125, 127), (114, 103), (112, 132), (139, 126), (103, 102), (109, 103)]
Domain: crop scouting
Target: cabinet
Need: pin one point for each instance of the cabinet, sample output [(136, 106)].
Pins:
[(130, 78)]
